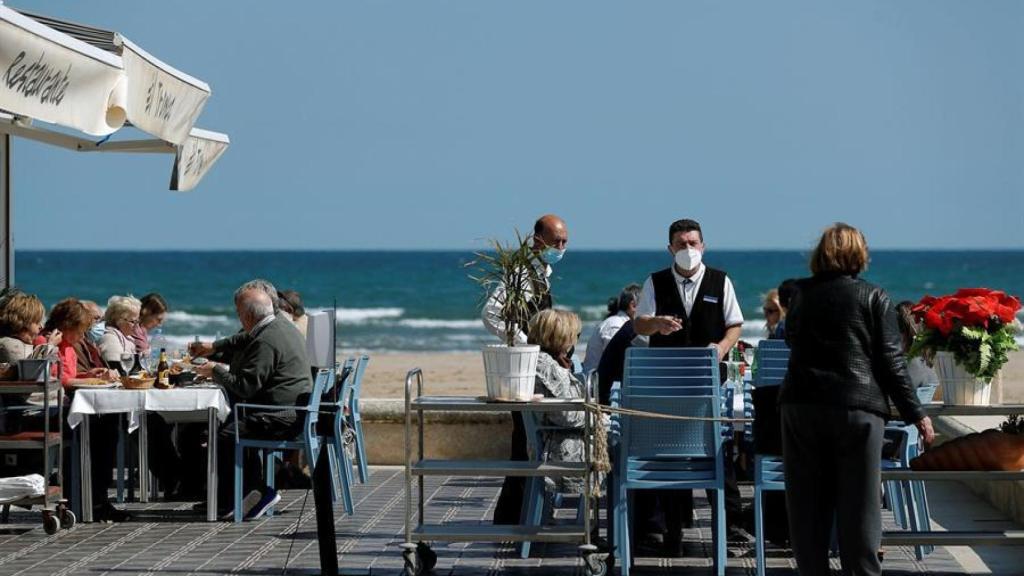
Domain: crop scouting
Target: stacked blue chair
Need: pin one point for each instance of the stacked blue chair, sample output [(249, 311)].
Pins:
[(908, 499), (341, 464), (772, 360), (354, 420), (308, 440), (670, 454)]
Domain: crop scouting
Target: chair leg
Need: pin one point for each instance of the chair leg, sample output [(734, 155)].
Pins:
[(270, 456), (346, 480), (897, 503), (924, 515), (121, 439), (720, 537), (533, 510), (238, 481), (332, 460), (759, 530), (364, 472), (621, 520)]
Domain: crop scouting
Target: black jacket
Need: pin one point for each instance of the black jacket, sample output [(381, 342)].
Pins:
[(846, 349)]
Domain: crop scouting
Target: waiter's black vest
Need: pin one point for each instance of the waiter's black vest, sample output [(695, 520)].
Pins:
[(706, 321)]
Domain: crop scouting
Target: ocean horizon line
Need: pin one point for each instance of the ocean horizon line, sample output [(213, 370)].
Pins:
[(469, 250)]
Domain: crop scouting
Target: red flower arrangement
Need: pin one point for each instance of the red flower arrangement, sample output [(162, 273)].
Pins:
[(976, 324)]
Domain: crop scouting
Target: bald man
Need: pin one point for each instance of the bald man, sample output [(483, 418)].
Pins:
[(270, 368), (550, 237)]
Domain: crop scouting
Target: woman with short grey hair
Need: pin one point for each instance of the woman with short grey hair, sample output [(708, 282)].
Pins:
[(122, 316)]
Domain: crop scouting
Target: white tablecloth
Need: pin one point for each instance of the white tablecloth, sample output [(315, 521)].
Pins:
[(118, 401)]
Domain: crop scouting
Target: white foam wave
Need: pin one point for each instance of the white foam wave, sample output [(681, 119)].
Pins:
[(435, 323), (189, 318), (364, 315)]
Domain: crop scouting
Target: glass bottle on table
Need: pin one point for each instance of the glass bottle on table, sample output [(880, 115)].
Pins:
[(163, 370)]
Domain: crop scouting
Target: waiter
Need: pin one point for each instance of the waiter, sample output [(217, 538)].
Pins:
[(550, 237), (687, 305)]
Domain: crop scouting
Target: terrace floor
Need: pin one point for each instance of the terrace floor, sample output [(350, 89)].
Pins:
[(167, 537)]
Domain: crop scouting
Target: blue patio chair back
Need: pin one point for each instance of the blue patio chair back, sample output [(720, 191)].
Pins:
[(772, 360), (307, 440), (657, 453)]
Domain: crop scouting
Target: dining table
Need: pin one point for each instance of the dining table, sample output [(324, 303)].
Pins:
[(193, 403)]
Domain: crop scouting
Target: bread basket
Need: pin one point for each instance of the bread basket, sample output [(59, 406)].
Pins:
[(136, 383)]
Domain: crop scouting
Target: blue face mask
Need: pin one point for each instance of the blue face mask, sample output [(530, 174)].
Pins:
[(95, 333), (552, 255)]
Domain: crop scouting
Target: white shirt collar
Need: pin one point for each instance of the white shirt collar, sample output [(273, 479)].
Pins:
[(696, 278), (259, 325)]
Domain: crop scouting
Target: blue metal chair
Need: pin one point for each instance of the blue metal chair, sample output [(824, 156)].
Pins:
[(908, 499), (670, 454), (341, 464), (772, 360), (354, 419), (307, 440), (536, 508)]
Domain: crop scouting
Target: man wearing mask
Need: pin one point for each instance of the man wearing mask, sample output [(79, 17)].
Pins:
[(688, 305), (550, 237)]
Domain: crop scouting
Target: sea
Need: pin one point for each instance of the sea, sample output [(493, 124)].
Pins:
[(425, 301)]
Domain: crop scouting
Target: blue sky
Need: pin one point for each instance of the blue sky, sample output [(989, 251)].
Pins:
[(422, 124)]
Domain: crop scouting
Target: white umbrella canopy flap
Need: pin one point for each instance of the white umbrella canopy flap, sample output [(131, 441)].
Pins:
[(52, 77)]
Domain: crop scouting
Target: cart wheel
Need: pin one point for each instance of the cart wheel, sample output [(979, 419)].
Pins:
[(50, 523), (426, 556), (67, 519), (595, 565), (410, 557)]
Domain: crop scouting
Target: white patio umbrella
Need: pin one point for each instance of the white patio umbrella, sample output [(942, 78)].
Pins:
[(95, 82)]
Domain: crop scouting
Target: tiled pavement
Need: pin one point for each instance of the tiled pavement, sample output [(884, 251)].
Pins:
[(170, 538)]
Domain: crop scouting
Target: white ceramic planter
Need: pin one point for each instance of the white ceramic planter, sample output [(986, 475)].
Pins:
[(959, 388), (510, 372)]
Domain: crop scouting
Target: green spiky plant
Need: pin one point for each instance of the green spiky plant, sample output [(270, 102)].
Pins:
[(516, 270), (1014, 424)]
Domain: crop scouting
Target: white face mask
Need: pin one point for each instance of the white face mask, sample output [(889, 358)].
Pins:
[(688, 259)]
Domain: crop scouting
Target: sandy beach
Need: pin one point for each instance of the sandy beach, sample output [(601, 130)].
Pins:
[(462, 373)]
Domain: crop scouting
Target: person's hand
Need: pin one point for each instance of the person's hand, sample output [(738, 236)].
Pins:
[(55, 338), (666, 325), (924, 426), (200, 348), (103, 373), (205, 370)]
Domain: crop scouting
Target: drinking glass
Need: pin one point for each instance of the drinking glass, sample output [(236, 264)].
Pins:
[(748, 355), (147, 362), (127, 362)]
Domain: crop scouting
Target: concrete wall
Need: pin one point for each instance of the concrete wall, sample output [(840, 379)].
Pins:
[(447, 435)]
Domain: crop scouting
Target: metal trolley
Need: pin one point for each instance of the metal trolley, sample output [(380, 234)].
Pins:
[(56, 514), (416, 551), (958, 538)]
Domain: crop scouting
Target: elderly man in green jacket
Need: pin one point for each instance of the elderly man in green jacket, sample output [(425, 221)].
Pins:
[(270, 366)]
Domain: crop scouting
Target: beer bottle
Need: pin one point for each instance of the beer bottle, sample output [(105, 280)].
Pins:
[(163, 370)]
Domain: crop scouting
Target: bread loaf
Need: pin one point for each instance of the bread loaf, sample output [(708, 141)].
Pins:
[(988, 450)]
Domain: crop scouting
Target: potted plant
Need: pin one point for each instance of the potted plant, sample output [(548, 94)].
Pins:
[(513, 275), (1001, 449), (967, 337)]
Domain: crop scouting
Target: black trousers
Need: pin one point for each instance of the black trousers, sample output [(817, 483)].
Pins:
[(509, 507), (832, 457), (263, 425)]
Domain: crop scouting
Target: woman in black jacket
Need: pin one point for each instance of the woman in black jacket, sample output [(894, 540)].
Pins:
[(846, 365)]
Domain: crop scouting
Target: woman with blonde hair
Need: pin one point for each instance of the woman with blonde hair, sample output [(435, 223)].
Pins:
[(846, 364), (122, 318), (21, 318), (556, 332), (773, 313)]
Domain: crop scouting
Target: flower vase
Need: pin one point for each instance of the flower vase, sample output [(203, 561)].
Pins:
[(959, 387)]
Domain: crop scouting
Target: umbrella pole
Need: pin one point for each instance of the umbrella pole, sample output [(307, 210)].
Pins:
[(6, 234)]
